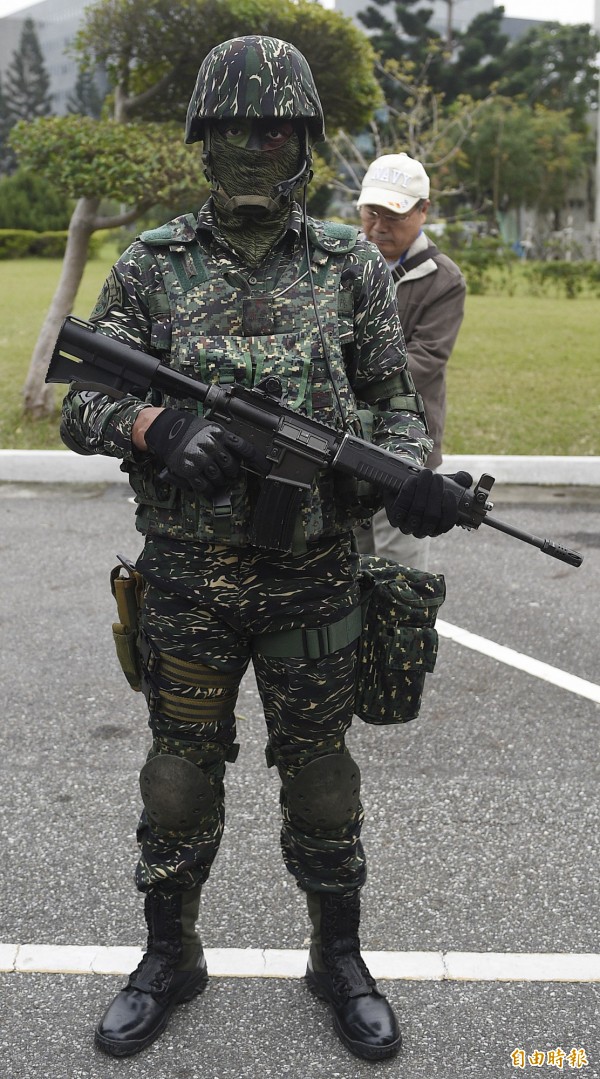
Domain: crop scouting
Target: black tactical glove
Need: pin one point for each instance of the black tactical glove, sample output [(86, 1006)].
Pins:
[(198, 454), (423, 507)]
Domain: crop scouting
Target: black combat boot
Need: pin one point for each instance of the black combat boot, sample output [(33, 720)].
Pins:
[(337, 973), (172, 970)]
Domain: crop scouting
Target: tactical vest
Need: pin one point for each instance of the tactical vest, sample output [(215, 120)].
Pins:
[(220, 331)]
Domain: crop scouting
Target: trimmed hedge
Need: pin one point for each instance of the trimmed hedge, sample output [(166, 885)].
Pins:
[(24, 243), (16, 243)]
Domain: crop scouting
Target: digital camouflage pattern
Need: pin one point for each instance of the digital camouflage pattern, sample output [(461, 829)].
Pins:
[(253, 78), (208, 603), (183, 295)]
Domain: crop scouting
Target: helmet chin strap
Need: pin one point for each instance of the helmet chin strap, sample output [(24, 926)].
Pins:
[(246, 205), (258, 205), (303, 177), (206, 153)]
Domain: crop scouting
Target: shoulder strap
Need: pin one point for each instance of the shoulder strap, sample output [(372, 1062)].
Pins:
[(179, 244), (403, 268), (333, 236), (180, 230)]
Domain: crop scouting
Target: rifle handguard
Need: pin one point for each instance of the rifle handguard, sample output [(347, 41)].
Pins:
[(291, 446)]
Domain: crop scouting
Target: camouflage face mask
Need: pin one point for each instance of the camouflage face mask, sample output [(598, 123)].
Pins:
[(251, 217)]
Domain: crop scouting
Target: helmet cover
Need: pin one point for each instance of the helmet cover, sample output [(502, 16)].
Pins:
[(254, 77)]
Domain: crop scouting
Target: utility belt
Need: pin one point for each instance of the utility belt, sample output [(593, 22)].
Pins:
[(394, 625)]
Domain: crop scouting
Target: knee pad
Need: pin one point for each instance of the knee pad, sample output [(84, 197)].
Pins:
[(325, 793), (177, 796)]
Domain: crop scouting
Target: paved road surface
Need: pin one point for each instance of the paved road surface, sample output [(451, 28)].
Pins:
[(482, 816)]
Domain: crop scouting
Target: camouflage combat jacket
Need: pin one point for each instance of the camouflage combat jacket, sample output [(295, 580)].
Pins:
[(180, 293)]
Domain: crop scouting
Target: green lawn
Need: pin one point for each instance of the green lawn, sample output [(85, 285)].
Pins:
[(28, 286), (523, 378)]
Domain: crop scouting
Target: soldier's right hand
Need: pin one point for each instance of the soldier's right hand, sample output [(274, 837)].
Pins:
[(197, 454)]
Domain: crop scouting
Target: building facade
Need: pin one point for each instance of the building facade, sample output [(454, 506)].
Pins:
[(56, 23)]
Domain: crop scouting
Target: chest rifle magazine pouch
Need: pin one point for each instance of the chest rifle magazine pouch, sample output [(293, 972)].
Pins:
[(399, 644), (128, 591)]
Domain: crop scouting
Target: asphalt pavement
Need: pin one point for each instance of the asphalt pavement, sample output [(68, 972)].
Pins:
[(482, 816)]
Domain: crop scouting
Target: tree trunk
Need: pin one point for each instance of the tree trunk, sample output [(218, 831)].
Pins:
[(39, 397), (449, 24)]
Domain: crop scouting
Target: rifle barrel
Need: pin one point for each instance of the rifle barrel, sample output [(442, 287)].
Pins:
[(545, 545)]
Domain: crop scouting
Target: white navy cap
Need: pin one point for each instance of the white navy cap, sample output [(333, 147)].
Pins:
[(395, 181)]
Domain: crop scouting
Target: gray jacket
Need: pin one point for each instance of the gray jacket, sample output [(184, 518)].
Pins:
[(431, 300)]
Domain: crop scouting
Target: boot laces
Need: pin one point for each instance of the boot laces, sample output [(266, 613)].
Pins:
[(163, 950), (350, 976), (156, 969)]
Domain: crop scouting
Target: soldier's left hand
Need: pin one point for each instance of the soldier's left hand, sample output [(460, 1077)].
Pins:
[(425, 506)]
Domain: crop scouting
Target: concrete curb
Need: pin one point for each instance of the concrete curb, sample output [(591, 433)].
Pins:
[(63, 466)]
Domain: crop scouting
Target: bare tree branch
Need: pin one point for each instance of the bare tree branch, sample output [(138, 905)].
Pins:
[(135, 100), (124, 218)]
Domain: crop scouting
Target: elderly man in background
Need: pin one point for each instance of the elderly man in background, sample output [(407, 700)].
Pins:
[(430, 291)]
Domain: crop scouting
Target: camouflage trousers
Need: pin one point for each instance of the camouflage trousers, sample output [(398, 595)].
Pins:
[(205, 603)]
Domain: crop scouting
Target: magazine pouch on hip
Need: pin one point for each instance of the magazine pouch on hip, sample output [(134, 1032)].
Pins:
[(128, 591), (399, 643)]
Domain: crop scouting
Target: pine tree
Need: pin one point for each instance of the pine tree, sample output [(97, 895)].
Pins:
[(86, 98), (27, 88), (7, 157), (405, 35)]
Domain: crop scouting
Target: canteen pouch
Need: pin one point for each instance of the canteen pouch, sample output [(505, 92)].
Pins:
[(128, 592), (399, 644)]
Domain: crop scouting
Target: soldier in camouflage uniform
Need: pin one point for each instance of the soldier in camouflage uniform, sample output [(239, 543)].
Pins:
[(229, 294)]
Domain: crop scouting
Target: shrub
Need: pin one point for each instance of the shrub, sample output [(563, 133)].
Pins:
[(23, 243), (16, 243), (569, 278), (49, 245), (482, 259), (28, 201)]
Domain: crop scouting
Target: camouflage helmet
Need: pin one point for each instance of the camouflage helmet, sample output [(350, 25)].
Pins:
[(254, 77)]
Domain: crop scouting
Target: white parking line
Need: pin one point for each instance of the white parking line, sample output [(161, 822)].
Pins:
[(519, 660), (274, 963)]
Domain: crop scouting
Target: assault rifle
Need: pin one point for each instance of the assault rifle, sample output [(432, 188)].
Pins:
[(290, 448)]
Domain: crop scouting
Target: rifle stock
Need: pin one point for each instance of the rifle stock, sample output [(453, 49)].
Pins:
[(290, 448)]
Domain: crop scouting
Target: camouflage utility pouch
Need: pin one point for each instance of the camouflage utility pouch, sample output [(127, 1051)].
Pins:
[(398, 645), (128, 591)]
